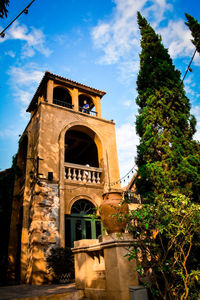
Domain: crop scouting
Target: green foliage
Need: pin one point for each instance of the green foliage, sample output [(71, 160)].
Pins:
[(166, 226), (167, 157), (61, 261), (194, 26), (166, 237), (3, 8)]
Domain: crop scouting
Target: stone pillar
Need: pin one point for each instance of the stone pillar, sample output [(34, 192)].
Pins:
[(120, 272), (50, 85), (75, 101), (102, 269), (97, 104)]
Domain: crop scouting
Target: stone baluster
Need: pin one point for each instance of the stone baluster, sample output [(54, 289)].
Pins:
[(98, 178), (93, 177), (74, 174), (84, 176), (79, 175), (69, 174), (89, 176)]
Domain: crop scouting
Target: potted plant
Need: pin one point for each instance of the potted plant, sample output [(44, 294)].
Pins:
[(113, 211)]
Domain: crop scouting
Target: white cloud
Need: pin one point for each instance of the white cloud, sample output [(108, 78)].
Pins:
[(126, 146), (120, 36), (10, 53), (196, 112), (116, 38), (177, 38), (5, 133), (24, 82), (25, 75), (127, 103), (196, 60), (34, 39)]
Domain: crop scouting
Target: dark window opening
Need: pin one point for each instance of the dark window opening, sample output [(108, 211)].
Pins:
[(80, 149), (62, 97), (22, 156)]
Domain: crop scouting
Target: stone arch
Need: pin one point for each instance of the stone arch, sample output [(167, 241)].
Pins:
[(77, 198), (79, 223), (88, 130), (62, 96), (89, 100)]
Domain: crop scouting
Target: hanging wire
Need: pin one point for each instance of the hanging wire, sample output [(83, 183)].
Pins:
[(123, 179), (189, 68), (25, 11)]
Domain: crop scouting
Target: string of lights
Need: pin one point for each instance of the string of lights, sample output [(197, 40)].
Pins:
[(127, 175), (189, 68), (25, 11)]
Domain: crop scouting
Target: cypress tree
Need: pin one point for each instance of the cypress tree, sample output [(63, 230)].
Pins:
[(195, 30), (3, 8), (167, 156)]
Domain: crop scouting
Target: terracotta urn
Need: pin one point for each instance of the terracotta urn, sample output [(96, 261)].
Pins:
[(112, 205)]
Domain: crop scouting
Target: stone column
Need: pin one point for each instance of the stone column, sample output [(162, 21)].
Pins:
[(75, 101), (50, 85), (120, 272), (98, 106)]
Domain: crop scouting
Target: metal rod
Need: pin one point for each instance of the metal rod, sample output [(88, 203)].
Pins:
[(2, 32), (189, 65)]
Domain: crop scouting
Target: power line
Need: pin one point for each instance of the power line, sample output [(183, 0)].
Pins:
[(123, 178), (188, 68), (25, 11)]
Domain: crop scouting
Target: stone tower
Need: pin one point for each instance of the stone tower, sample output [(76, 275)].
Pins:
[(67, 158)]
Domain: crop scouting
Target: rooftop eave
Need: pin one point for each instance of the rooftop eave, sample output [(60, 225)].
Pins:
[(63, 81)]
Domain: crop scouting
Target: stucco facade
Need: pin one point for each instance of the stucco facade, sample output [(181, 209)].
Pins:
[(66, 154)]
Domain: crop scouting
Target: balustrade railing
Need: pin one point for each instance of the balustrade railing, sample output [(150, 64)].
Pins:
[(62, 103), (69, 105), (82, 173), (88, 111)]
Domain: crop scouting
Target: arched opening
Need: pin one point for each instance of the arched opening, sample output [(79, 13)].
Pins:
[(22, 156), (80, 224), (62, 97), (86, 104), (80, 148)]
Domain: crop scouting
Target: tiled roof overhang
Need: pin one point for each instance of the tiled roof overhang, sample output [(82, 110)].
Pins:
[(63, 81)]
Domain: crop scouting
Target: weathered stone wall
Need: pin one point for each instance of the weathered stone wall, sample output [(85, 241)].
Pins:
[(43, 230)]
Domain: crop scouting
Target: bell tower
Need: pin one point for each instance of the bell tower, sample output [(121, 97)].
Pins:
[(68, 158)]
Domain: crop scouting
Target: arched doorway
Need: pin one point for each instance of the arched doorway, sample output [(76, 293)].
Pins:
[(80, 224)]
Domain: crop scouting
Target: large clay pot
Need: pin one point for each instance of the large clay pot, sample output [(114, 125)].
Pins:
[(109, 208)]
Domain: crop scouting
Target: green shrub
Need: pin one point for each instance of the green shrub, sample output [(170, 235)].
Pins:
[(61, 261)]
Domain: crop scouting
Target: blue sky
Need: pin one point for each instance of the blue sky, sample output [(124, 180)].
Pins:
[(96, 43)]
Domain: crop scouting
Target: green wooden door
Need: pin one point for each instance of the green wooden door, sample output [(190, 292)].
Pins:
[(80, 225)]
